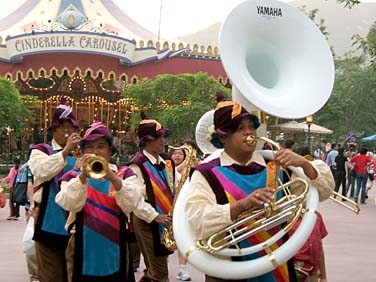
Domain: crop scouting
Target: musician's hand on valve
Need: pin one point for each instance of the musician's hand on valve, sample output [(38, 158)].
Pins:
[(83, 162), (114, 178), (286, 157), (73, 142), (254, 200), (260, 197), (164, 219)]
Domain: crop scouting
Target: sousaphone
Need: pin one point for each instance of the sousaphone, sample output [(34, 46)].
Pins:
[(280, 63)]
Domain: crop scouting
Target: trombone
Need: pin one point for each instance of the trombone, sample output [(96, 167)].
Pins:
[(353, 207)]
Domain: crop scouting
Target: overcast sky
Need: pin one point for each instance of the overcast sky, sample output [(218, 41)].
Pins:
[(179, 17)]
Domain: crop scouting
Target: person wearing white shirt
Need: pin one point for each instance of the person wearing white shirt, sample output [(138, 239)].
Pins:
[(48, 162), (220, 190), (157, 179), (98, 247)]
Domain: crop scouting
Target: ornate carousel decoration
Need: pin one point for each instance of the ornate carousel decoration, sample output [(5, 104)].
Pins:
[(88, 53)]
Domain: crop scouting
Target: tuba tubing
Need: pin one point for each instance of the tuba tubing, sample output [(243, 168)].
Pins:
[(224, 269)]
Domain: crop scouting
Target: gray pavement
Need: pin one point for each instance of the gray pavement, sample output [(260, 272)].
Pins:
[(350, 247)]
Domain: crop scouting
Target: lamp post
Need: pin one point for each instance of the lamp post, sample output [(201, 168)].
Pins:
[(309, 120)]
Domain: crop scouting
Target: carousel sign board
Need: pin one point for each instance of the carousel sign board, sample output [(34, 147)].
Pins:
[(83, 42)]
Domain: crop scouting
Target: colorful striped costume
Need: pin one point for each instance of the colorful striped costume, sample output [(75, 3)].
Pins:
[(101, 250), (160, 189), (49, 228), (234, 182)]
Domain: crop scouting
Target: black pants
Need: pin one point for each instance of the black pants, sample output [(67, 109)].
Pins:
[(14, 207), (340, 179)]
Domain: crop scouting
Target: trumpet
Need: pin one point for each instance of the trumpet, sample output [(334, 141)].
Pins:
[(76, 152), (97, 167)]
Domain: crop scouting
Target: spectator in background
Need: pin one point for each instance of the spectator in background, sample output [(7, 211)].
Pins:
[(318, 154), (14, 207), (31, 260), (341, 171), (178, 156), (305, 152), (290, 144), (371, 172), (361, 163), (331, 156), (351, 173)]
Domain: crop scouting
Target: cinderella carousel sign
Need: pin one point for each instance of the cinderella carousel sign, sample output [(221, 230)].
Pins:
[(72, 32)]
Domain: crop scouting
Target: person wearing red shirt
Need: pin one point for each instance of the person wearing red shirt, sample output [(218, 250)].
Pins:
[(361, 163)]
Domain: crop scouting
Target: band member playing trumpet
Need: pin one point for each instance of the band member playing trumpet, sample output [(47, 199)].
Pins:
[(48, 162), (98, 196), (156, 176), (236, 181)]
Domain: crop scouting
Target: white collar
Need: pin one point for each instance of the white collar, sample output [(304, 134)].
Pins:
[(226, 160), (152, 159)]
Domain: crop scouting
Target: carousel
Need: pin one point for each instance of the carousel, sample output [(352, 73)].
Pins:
[(88, 52)]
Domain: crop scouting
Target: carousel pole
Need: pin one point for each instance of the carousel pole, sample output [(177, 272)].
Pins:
[(101, 109), (40, 115), (108, 113), (76, 104), (49, 113), (88, 112), (45, 115), (119, 116)]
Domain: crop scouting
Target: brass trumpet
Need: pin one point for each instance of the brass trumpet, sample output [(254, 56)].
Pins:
[(97, 167)]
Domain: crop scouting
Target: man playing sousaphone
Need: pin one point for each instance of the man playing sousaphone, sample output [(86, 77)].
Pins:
[(48, 162), (236, 181)]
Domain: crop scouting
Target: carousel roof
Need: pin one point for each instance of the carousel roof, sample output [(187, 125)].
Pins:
[(88, 15)]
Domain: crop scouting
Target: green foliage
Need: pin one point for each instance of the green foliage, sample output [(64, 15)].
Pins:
[(13, 110), (367, 45), (176, 101), (5, 187), (352, 103), (349, 3)]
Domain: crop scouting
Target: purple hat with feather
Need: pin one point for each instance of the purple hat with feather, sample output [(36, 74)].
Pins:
[(62, 113), (227, 116), (149, 129)]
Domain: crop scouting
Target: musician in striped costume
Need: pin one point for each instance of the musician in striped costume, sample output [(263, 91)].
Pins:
[(98, 249), (234, 182), (48, 162), (156, 174)]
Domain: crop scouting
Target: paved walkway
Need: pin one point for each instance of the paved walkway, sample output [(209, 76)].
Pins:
[(350, 248)]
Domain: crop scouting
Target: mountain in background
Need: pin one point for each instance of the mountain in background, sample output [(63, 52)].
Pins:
[(341, 24)]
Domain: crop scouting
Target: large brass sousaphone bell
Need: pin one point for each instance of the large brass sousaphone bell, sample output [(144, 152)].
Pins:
[(280, 63)]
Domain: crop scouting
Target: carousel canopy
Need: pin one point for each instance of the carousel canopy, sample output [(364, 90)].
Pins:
[(26, 16)]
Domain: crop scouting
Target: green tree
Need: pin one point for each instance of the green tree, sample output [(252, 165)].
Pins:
[(177, 101), (367, 45), (352, 103), (349, 3), (13, 110)]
